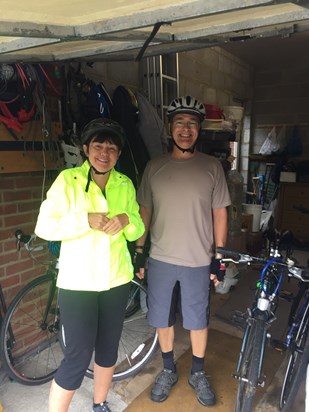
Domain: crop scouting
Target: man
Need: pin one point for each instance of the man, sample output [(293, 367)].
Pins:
[(183, 198)]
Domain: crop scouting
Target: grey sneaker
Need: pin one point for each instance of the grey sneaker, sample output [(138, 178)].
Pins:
[(163, 384), (101, 408), (204, 393)]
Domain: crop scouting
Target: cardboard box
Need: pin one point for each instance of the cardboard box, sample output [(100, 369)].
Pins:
[(246, 221), (254, 242), (236, 243), (288, 177)]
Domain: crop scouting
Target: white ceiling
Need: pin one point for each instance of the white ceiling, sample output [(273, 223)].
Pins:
[(101, 30)]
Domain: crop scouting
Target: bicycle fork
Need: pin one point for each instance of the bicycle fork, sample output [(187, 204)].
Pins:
[(52, 327), (238, 374)]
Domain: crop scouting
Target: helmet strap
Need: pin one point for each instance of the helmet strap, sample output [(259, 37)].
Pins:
[(189, 149), (99, 173), (89, 176)]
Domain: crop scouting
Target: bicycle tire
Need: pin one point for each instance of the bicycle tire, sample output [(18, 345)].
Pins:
[(30, 349), (296, 303), (297, 365), (251, 366), (134, 299), (138, 342)]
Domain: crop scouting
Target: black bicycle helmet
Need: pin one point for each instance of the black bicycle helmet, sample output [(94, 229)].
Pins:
[(188, 105), (103, 126)]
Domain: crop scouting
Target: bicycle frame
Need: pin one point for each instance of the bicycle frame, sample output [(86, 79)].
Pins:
[(261, 314), (261, 309)]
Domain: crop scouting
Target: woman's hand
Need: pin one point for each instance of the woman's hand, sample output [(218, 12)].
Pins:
[(97, 220), (116, 223), (111, 226)]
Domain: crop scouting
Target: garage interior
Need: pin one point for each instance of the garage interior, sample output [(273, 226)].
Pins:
[(252, 55)]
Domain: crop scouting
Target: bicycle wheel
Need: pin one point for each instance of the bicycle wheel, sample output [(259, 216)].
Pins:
[(30, 349), (250, 368), (297, 364), (296, 303), (134, 300), (138, 341)]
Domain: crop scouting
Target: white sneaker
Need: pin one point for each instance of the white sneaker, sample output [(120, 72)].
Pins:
[(225, 285), (231, 279)]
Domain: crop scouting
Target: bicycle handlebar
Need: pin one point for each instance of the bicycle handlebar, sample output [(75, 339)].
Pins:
[(21, 237), (237, 257), (32, 247), (295, 271), (25, 239)]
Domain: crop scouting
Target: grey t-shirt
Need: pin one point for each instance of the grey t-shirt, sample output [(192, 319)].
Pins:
[(182, 194)]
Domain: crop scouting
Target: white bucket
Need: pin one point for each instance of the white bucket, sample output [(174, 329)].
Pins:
[(256, 211), (233, 113)]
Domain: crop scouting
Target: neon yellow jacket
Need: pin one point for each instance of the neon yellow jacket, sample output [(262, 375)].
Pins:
[(90, 259)]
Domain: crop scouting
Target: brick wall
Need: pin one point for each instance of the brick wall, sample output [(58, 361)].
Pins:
[(20, 199)]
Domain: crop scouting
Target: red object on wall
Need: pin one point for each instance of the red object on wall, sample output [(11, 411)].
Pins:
[(213, 112)]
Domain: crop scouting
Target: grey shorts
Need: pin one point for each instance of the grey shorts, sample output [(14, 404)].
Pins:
[(167, 283)]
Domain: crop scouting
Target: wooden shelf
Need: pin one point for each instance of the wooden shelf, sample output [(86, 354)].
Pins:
[(217, 135), (25, 151), (264, 158), (28, 161)]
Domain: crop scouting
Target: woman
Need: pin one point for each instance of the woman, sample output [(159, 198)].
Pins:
[(92, 209)]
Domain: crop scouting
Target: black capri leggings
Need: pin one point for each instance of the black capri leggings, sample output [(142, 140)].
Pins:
[(90, 321)]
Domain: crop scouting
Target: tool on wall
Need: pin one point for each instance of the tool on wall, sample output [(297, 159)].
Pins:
[(255, 194)]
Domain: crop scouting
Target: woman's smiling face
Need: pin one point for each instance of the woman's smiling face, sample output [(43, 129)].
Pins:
[(102, 156)]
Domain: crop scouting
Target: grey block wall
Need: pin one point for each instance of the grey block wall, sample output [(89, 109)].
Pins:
[(271, 96)]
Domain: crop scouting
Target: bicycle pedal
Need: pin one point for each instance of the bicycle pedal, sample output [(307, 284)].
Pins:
[(239, 318), (278, 345)]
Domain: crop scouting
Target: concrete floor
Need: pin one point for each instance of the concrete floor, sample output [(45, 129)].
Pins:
[(15, 397)]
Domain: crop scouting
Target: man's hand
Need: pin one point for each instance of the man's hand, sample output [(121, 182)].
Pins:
[(139, 263), (217, 271), (215, 280)]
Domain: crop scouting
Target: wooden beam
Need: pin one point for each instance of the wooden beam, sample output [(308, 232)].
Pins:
[(28, 161)]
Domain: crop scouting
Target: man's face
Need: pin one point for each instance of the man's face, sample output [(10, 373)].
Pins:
[(185, 129)]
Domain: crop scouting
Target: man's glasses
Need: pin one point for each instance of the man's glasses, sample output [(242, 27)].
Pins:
[(190, 125)]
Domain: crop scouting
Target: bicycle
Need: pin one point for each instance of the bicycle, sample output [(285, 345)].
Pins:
[(31, 340), (297, 344), (259, 317)]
